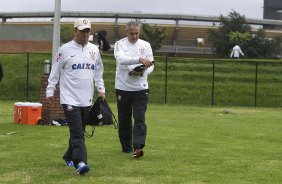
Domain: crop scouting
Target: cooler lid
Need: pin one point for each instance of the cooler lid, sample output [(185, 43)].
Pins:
[(32, 104)]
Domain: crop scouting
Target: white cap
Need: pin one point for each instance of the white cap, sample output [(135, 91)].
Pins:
[(82, 23)]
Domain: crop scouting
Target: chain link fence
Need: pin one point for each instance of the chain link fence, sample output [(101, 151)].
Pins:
[(22, 73), (250, 83)]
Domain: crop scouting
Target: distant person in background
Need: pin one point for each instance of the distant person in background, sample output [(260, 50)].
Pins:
[(1, 72), (102, 41), (236, 51)]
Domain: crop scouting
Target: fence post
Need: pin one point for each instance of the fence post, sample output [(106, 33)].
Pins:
[(256, 84), (166, 58), (212, 102), (27, 77)]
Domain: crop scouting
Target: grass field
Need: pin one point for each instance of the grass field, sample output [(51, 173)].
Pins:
[(185, 144), (189, 81)]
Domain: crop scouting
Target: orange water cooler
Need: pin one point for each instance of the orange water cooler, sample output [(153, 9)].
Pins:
[(27, 113)]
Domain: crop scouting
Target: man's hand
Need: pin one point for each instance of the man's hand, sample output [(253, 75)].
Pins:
[(102, 95), (145, 62)]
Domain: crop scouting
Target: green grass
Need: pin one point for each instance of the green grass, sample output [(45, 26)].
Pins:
[(14, 83), (185, 144), (189, 81)]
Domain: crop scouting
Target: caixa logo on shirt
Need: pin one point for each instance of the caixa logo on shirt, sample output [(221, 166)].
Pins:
[(83, 66)]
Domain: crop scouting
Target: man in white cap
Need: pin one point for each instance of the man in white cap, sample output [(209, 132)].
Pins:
[(77, 66)]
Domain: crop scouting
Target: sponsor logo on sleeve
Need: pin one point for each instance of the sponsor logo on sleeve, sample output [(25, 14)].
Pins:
[(58, 57)]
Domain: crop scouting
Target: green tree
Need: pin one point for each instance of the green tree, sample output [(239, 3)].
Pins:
[(261, 46), (233, 30), (154, 35), (237, 37), (66, 32)]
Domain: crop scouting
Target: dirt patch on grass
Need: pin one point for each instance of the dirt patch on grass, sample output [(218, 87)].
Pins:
[(16, 176)]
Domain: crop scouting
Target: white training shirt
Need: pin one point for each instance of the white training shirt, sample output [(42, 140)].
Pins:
[(77, 67), (236, 51), (127, 57)]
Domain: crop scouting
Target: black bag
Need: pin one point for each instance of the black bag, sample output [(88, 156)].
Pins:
[(138, 69), (102, 37), (100, 114), (106, 44)]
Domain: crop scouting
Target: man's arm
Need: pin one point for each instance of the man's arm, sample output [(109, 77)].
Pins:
[(150, 57), (147, 63), (122, 57), (232, 53), (98, 77), (54, 76), (241, 52)]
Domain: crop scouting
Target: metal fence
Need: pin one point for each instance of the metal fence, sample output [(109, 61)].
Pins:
[(252, 83), (22, 73), (223, 82)]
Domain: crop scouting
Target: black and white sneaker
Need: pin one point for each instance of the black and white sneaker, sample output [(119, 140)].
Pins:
[(82, 168), (69, 163)]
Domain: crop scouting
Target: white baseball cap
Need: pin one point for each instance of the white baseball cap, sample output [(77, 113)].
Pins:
[(82, 23)]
